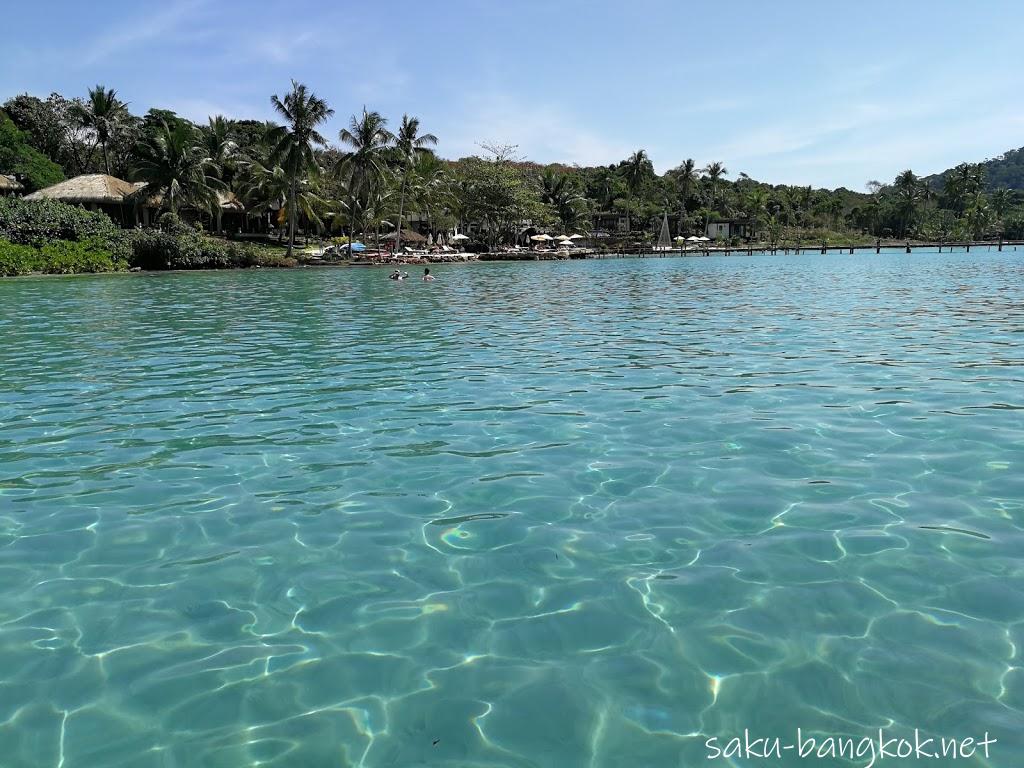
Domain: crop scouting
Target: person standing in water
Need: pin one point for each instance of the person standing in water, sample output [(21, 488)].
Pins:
[(427, 277)]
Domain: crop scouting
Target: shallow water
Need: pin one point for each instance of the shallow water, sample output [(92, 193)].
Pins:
[(552, 514)]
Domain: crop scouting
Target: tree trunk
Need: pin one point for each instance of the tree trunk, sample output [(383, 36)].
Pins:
[(351, 222), (401, 211), (291, 218)]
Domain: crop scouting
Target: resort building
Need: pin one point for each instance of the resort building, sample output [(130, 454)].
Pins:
[(95, 192), (10, 185), (725, 229)]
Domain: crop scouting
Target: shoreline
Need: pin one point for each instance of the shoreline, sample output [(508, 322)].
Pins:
[(1006, 246)]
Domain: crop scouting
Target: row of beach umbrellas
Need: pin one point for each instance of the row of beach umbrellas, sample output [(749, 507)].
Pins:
[(693, 239), (563, 238)]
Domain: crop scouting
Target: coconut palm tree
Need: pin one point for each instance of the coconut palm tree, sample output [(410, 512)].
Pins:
[(265, 188), (174, 164), (686, 179), (1000, 201), (714, 173), (220, 147), (101, 114), (755, 206), (432, 187), (293, 143), (910, 194), (364, 165), (978, 215), (635, 171), (409, 145), (559, 191)]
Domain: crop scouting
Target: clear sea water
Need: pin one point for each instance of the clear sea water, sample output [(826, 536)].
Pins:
[(546, 514)]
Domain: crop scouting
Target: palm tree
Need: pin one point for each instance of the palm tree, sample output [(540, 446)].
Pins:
[(910, 193), (293, 143), (431, 187), (1001, 200), (558, 190), (978, 215), (756, 208), (221, 149), (409, 145), (961, 184), (715, 172), (364, 166), (101, 114), (174, 164), (266, 187), (686, 179), (635, 171)]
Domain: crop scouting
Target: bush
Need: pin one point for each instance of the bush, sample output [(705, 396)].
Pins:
[(63, 257), (38, 222), (17, 259), (179, 246), (153, 249), (60, 257)]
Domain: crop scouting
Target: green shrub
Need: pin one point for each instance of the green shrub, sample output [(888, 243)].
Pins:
[(60, 257), (179, 246), (38, 222), (17, 259), (64, 257)]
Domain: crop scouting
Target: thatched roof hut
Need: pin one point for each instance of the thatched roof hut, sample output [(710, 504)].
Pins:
[(229, 201), (9, 185), (92, 188), (408, 236)]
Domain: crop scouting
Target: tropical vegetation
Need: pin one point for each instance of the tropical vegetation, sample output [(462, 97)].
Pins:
[(372, 182)]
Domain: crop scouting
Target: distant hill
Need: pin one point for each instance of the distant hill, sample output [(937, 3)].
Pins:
[(1007, 170)]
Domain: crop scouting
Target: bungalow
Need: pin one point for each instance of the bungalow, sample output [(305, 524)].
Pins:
[(9, 185), (610, 221), (93, 191), (725, 229)]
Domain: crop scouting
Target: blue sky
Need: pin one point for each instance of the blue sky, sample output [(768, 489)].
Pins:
[(805, 92)]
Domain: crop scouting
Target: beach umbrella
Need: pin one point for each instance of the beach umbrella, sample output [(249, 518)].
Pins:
[(541, 238), (575, 237), (693, 239), (459, 236), (704, 239), (562, 237), (680, 239), (430, 238)]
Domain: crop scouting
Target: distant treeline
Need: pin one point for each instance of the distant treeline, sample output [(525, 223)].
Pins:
[(375, 176)]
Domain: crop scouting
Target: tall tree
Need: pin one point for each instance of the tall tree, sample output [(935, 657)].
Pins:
[(220, 147), (293, 143), (173, 164), (102, 114), (910, 193), (686, 179), (635, 171), (409, 145), (364, 166)]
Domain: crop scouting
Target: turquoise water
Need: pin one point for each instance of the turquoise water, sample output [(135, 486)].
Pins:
[(552, 514)]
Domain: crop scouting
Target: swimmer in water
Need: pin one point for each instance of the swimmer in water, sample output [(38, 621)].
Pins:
[(427, 277)]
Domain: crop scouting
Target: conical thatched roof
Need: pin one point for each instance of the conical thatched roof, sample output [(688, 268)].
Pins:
[(91, 188), (229, 201), (408, 236), (9, 184)]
